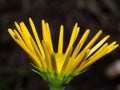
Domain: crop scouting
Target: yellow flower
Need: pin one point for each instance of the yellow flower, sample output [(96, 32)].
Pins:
[(61, 66)]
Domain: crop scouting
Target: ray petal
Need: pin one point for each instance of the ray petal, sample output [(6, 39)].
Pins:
[(60, 43), (73, 37), (89, 45), (36, 37), (98, 45), (80, 43)]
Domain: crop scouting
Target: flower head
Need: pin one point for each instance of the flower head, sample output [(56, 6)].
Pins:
[(60, 67)]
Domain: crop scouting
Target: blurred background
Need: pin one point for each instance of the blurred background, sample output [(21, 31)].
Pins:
[(15, 70)]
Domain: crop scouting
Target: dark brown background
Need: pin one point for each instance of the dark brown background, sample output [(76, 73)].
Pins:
[(15, 70)]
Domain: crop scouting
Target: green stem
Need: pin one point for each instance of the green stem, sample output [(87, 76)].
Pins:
[(56, 87)]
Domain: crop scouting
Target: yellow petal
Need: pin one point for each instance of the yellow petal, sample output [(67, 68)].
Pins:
[(49, 40), (36, 37), (46, 34), (73, 37), (18, 28), (47, 56), (25, 48), (78, 60), (11, 32), (89, 45), (66, 61), (54, 63), (17, 38), (26, 36), (80, 44), (98, 45), (60, 43), (67, 69), (100, 53), (112, 47), (38, 54)]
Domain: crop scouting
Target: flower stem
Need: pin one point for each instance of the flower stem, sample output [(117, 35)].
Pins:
[(56, 87)]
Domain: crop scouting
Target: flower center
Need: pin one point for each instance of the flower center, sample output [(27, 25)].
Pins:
[(60, 59)]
